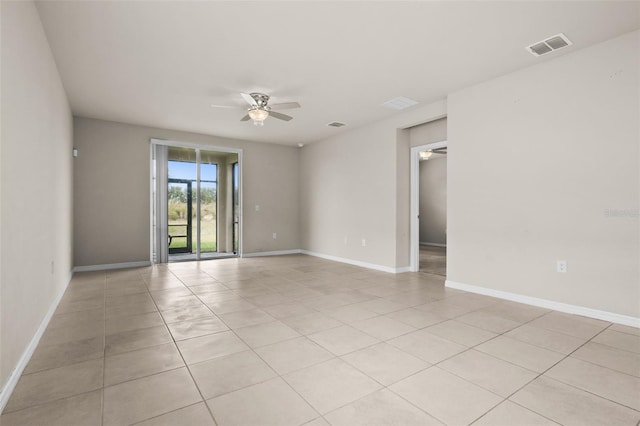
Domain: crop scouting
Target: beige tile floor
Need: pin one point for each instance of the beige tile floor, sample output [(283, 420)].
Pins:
[(296, 340), (433, 260)]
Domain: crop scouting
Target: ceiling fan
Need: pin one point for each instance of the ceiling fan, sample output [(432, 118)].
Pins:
[(259, 109), (425, 155)]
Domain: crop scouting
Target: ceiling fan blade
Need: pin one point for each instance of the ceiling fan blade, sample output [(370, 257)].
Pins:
[(280, 116), (245, 118), (249, 99), (285, 105)]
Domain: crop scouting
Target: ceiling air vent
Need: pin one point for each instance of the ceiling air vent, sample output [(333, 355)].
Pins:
[(336, 124), (399, 103), (549, 45)]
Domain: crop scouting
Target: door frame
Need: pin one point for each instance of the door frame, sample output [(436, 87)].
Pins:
[(235, 166), (414, 249), (238, 151)]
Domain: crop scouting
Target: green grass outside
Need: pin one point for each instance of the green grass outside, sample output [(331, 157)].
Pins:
[(208, 241)]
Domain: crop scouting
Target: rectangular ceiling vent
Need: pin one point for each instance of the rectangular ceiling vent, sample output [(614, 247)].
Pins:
[(399, 103), (549, 45), (336, 124)]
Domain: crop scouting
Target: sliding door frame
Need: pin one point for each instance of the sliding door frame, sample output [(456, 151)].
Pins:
[(169, 143)]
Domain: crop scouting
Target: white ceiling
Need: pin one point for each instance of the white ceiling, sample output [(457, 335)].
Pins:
[(163, 64)]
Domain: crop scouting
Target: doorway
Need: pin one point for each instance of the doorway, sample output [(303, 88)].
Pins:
[(196, 202), (428, 245)]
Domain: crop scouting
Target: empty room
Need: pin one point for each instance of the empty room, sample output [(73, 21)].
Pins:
[(319, 213)]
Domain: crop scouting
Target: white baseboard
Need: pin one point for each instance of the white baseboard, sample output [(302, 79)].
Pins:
[(107, 266), (367, 265), (272, 253), (12, 381), (548, 304), (433, 244)]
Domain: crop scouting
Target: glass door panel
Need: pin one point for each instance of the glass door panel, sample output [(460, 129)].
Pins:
[(179, 216), (181, 200), (208, 208)]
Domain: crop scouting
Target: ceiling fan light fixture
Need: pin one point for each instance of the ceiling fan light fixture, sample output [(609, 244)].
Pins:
[(424, 155), (258, 115)]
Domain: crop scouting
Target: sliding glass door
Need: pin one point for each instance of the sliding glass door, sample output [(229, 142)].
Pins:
[(195, 203)]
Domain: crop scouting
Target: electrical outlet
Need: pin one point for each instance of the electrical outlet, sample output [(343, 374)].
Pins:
[(364, 242), (562, 266), (274, 235), (257, 207)]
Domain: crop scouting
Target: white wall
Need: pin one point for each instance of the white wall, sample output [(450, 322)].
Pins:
[(536, 160), (356, 185), (36, 189), (111, 187)]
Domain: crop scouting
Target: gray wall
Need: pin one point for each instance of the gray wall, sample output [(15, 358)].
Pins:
[(433, 200), (35, 179), (563, 147), (111, 184)]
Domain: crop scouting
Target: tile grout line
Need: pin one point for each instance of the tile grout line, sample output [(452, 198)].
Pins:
[(565, 356), (258, 355), (373, 344), (584, 390), (338, 357), (168, 412), (94, 359), (462, 378), (387, 387), (538, 374), (53, 368), (250, 348), (179, 352)]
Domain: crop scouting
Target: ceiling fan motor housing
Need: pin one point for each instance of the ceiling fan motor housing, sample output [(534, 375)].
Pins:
[(260, 98)]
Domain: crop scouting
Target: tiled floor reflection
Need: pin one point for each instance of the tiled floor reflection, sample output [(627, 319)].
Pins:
[(433, 260), (295, 340)]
